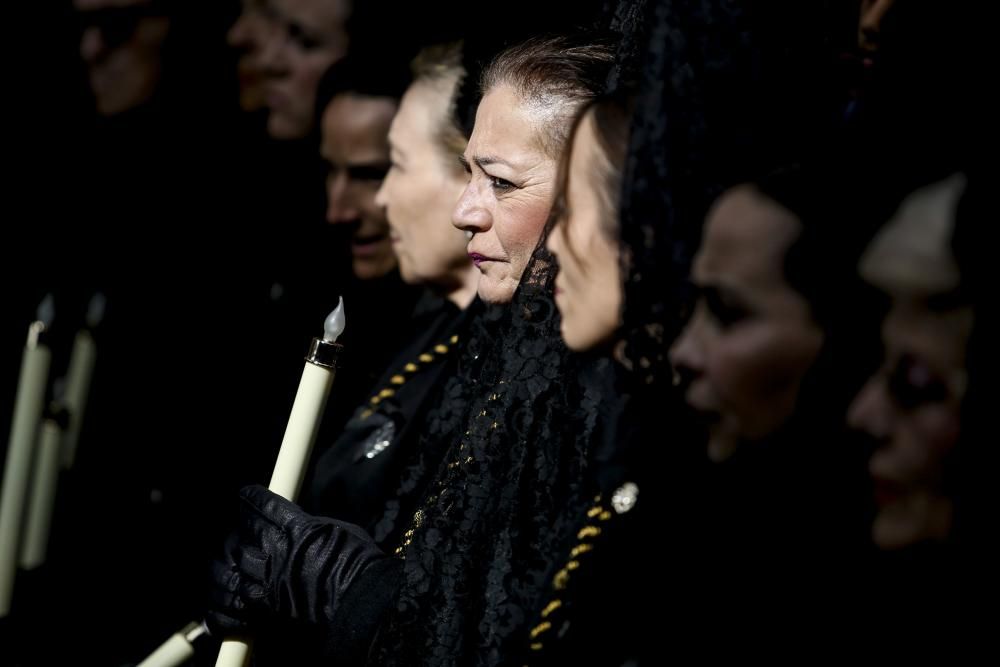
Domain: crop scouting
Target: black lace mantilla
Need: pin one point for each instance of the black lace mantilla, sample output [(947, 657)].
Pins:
[(507, 494)]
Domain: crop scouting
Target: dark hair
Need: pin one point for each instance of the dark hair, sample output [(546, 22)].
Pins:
[(562, 73), (365, 76), (821, 262)]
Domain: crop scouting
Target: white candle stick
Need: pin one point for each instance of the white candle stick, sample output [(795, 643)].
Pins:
[(296, 445), (42, 495), (81, 369), (24, 426), (289, 470), (178, 649)]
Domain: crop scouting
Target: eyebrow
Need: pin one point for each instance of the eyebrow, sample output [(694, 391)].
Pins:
[(483, 161)]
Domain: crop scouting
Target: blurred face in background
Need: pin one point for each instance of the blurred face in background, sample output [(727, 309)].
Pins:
[(751, 339), (249, 35), (419, 193), (872, 18), (355, 147), (589, 284), (912, 406), (309, 36), (121, 44)]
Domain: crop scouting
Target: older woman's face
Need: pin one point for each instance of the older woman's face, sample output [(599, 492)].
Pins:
[(309, 37), (752, 338), (911, 407), (588, 288), (510, 190), (421, 188)]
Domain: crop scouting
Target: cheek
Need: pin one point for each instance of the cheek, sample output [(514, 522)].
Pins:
[(520, 230), (307, 70), (761, 364), (923, 440)]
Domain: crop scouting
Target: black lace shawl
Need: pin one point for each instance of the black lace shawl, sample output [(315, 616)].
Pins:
[(516, 423)]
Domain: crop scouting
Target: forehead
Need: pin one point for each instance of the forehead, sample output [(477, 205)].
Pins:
[(353, 123), (586, 160), (746, 236), (90, 5), (507, 126), (313, 14), (939, 337), (422, 106)]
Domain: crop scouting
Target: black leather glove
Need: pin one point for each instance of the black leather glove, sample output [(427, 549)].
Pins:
[(282, 563)]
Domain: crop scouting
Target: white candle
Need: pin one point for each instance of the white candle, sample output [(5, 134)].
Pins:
[(289, 469), (297, 443), (81, 369), (307, 409), (24, 426), (177, 650), (42, 495)]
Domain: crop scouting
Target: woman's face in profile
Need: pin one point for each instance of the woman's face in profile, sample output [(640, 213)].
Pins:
[(510, 189), (420, 190), (589, 285), (121, 43), (911, 407), (751, 339), (309, 37)]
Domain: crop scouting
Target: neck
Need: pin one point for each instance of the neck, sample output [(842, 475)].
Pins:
[(462, 289)]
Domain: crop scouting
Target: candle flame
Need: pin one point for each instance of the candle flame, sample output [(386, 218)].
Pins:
[(46, 311), (95, 309), (335, 323)]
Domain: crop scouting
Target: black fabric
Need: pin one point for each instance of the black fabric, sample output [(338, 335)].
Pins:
[(353, 478), (516, 421), (365, 605)]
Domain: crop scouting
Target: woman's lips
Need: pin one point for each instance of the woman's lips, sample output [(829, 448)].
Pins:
[(477, 259), (368, 245)]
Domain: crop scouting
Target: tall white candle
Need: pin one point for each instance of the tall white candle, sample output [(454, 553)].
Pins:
[(297, 443), (289, 469), (81, 369), (178, 649), (42, 495), (24, 426)]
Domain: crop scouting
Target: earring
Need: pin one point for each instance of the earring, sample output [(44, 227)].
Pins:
[(469, 233)]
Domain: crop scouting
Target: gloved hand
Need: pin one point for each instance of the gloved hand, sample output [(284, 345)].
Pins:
[(284, 563)]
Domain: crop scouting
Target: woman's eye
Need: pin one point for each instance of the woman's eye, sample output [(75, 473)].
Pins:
[(500, 184), (306, 41), (724, 313)]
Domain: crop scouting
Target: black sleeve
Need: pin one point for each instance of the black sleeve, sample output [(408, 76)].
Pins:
[(361, 611)]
